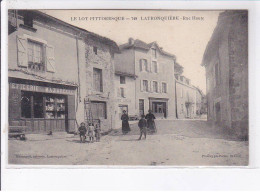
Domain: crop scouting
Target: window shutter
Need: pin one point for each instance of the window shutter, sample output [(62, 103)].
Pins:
[(141, 85), (118, 92), (50, 60), (140, 65), (22, 51), (124, 92), (151, 88)]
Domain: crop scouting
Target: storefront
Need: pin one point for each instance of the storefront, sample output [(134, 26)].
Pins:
[(159, 107), (41, 106)]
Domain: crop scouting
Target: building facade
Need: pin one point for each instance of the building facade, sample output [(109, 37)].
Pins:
[(185, 98), (49, 85), (97, 81), (226, 63), (154, 70), (42, 95), (125, 96)]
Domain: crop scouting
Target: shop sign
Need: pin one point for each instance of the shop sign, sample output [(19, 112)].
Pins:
[(35, 88), (123, 100)]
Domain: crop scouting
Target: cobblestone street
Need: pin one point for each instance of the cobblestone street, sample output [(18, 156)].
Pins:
[(178, 142)]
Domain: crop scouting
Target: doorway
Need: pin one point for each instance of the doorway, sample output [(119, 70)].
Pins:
[(159, 109)]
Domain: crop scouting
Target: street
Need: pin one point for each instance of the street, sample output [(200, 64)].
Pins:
[(177, 142)]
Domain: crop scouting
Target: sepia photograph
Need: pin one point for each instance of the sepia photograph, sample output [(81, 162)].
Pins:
[(128, 87)]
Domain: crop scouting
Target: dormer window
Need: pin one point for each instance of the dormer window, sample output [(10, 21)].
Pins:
[(154, 54)]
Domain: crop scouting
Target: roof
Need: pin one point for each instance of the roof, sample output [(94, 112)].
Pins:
[(145, 46), (103, 39)]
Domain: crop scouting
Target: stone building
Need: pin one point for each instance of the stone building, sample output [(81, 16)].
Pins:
[(226, 63), (98, 79), (154, 70), (51, 68)]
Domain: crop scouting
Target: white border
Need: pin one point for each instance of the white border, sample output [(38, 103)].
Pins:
[(139, 178)]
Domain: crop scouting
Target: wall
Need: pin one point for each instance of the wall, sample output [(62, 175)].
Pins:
[(165, 74), (232, 92), (238, 54), (129, 99), (64, 41), (104, 60), (56, 35), (185, 93), (124, 61)]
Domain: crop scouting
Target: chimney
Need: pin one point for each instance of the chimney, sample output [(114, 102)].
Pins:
[(131, 41)]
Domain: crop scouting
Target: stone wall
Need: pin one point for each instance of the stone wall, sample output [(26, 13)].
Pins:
[(238, 57), (104, 60)]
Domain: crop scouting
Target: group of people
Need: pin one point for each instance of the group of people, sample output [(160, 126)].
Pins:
[(146, 122), (92, 131)]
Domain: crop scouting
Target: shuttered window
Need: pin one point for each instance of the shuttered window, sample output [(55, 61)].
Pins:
[(145, 86), (35, 56), (143, 65), (155, 86), (164, 88), (97, 80)]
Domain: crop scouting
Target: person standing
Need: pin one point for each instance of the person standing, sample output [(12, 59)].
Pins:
[(82, 132), (125, 123), (142, 124), (150, 121)]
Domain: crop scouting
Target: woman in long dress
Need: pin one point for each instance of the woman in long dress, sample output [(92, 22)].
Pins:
[(150, 122), (125, 123)]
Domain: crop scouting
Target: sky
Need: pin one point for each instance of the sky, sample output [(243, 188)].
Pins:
[(186, 37)]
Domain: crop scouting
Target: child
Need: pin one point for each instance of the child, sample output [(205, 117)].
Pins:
[(142, 124), (91, 132), (82, 132), (97, 132)]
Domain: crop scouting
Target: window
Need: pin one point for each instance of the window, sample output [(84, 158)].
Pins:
[(35, 56), (155, 86), (164, 88), (181, 92), (122, 92), (182, 109), (217, 74), (97, 80), (98, 110), (95, 50), (55, 107), (145, 85), (154, 54), (26, 102), (28, 19), (122, 79), (143, 65), (155, 69), (39, 105)]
